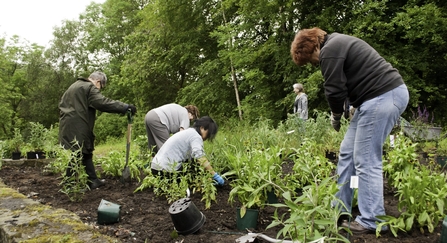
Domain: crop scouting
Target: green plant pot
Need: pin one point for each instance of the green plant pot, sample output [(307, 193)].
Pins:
[(441, 160), (271, 197), (444, 231), (108, 213), (249, 221)]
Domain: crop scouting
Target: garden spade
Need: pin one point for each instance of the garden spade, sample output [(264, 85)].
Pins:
[(126, 172)]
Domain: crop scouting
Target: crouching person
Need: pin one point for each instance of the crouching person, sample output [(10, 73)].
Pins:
[(187, 146)]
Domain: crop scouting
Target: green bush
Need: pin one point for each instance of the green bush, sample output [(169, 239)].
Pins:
[(109, 125)]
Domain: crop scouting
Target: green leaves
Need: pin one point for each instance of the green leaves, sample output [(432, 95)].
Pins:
[(421, 189), (173, 185)]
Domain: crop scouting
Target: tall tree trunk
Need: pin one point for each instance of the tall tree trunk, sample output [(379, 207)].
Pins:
[(236, 91), (233, 74)]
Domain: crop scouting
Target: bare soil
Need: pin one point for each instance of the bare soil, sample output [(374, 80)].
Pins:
[(145, 218)]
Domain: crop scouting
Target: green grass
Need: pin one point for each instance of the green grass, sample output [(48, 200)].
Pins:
[(111, 145)]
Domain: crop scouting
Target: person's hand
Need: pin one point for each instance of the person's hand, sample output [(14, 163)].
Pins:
[(335, 121), (133, 109), (351, 111), (218, 179)]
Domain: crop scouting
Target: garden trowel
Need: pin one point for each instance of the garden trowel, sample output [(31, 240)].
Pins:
[(126, 172)]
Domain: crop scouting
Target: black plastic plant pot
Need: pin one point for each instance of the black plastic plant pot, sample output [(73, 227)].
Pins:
[(186, 217), (16, 155), (31, 155), (40, 155)]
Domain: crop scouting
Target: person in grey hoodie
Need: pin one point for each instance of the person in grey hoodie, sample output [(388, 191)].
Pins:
[(354, 70)]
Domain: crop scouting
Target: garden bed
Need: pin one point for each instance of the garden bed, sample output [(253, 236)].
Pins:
[(145, 218)]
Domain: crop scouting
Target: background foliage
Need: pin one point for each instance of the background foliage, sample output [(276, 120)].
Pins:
[(231, 58)]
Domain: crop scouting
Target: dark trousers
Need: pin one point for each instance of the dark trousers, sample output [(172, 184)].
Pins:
[(87, 161)]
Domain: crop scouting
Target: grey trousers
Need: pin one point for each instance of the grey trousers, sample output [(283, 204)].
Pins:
[(157, 133)]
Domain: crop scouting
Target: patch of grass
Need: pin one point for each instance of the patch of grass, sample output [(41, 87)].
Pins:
[(8, 192), (113, 144)]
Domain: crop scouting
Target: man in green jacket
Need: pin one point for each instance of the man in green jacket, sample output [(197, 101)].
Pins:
[(77, 118)]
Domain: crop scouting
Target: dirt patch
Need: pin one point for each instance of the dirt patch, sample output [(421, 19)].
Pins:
[(145, 218)]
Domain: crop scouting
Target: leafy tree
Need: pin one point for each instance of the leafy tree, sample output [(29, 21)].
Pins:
[(412, 36), (169, 44), (14, 83)]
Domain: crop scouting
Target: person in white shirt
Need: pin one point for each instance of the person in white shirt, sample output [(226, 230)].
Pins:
[(187, 146), (165, 120)]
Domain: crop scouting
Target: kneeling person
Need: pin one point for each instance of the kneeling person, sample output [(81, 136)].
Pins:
[(185, 146)]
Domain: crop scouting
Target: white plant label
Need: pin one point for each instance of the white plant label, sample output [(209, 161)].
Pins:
[(354, 182), (392, 141)]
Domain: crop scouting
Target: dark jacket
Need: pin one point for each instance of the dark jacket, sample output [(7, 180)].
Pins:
[(77, 117), (353, 69)]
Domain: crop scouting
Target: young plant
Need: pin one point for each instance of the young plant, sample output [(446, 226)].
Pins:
[(441, 147), (113, 164), (52, 145), (311, 215), (251, 170), (202, 182), (3, 146), (38, 136), (422, 190), (59, 164), (16, 143), (174, 185), (309, 163), (74, 186)]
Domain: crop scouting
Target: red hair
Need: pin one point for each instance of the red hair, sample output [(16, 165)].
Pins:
[(305, 43)]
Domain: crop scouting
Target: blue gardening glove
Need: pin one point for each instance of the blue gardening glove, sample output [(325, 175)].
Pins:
[(218, 179), (335, 121)]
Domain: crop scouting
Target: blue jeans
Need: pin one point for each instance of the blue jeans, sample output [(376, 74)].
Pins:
[(361, 153)]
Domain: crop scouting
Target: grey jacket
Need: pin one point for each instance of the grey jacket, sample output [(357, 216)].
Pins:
[(300, 106)]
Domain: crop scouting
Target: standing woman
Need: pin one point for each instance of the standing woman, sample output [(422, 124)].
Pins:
[(165, 120), (300, 104), (353, 69)]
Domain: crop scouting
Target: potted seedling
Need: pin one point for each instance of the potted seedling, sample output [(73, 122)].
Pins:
[(253, 171), (251, 202), (37, 140), (15, 144)]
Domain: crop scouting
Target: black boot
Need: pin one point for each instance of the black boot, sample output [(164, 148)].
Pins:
[(96, 183)]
